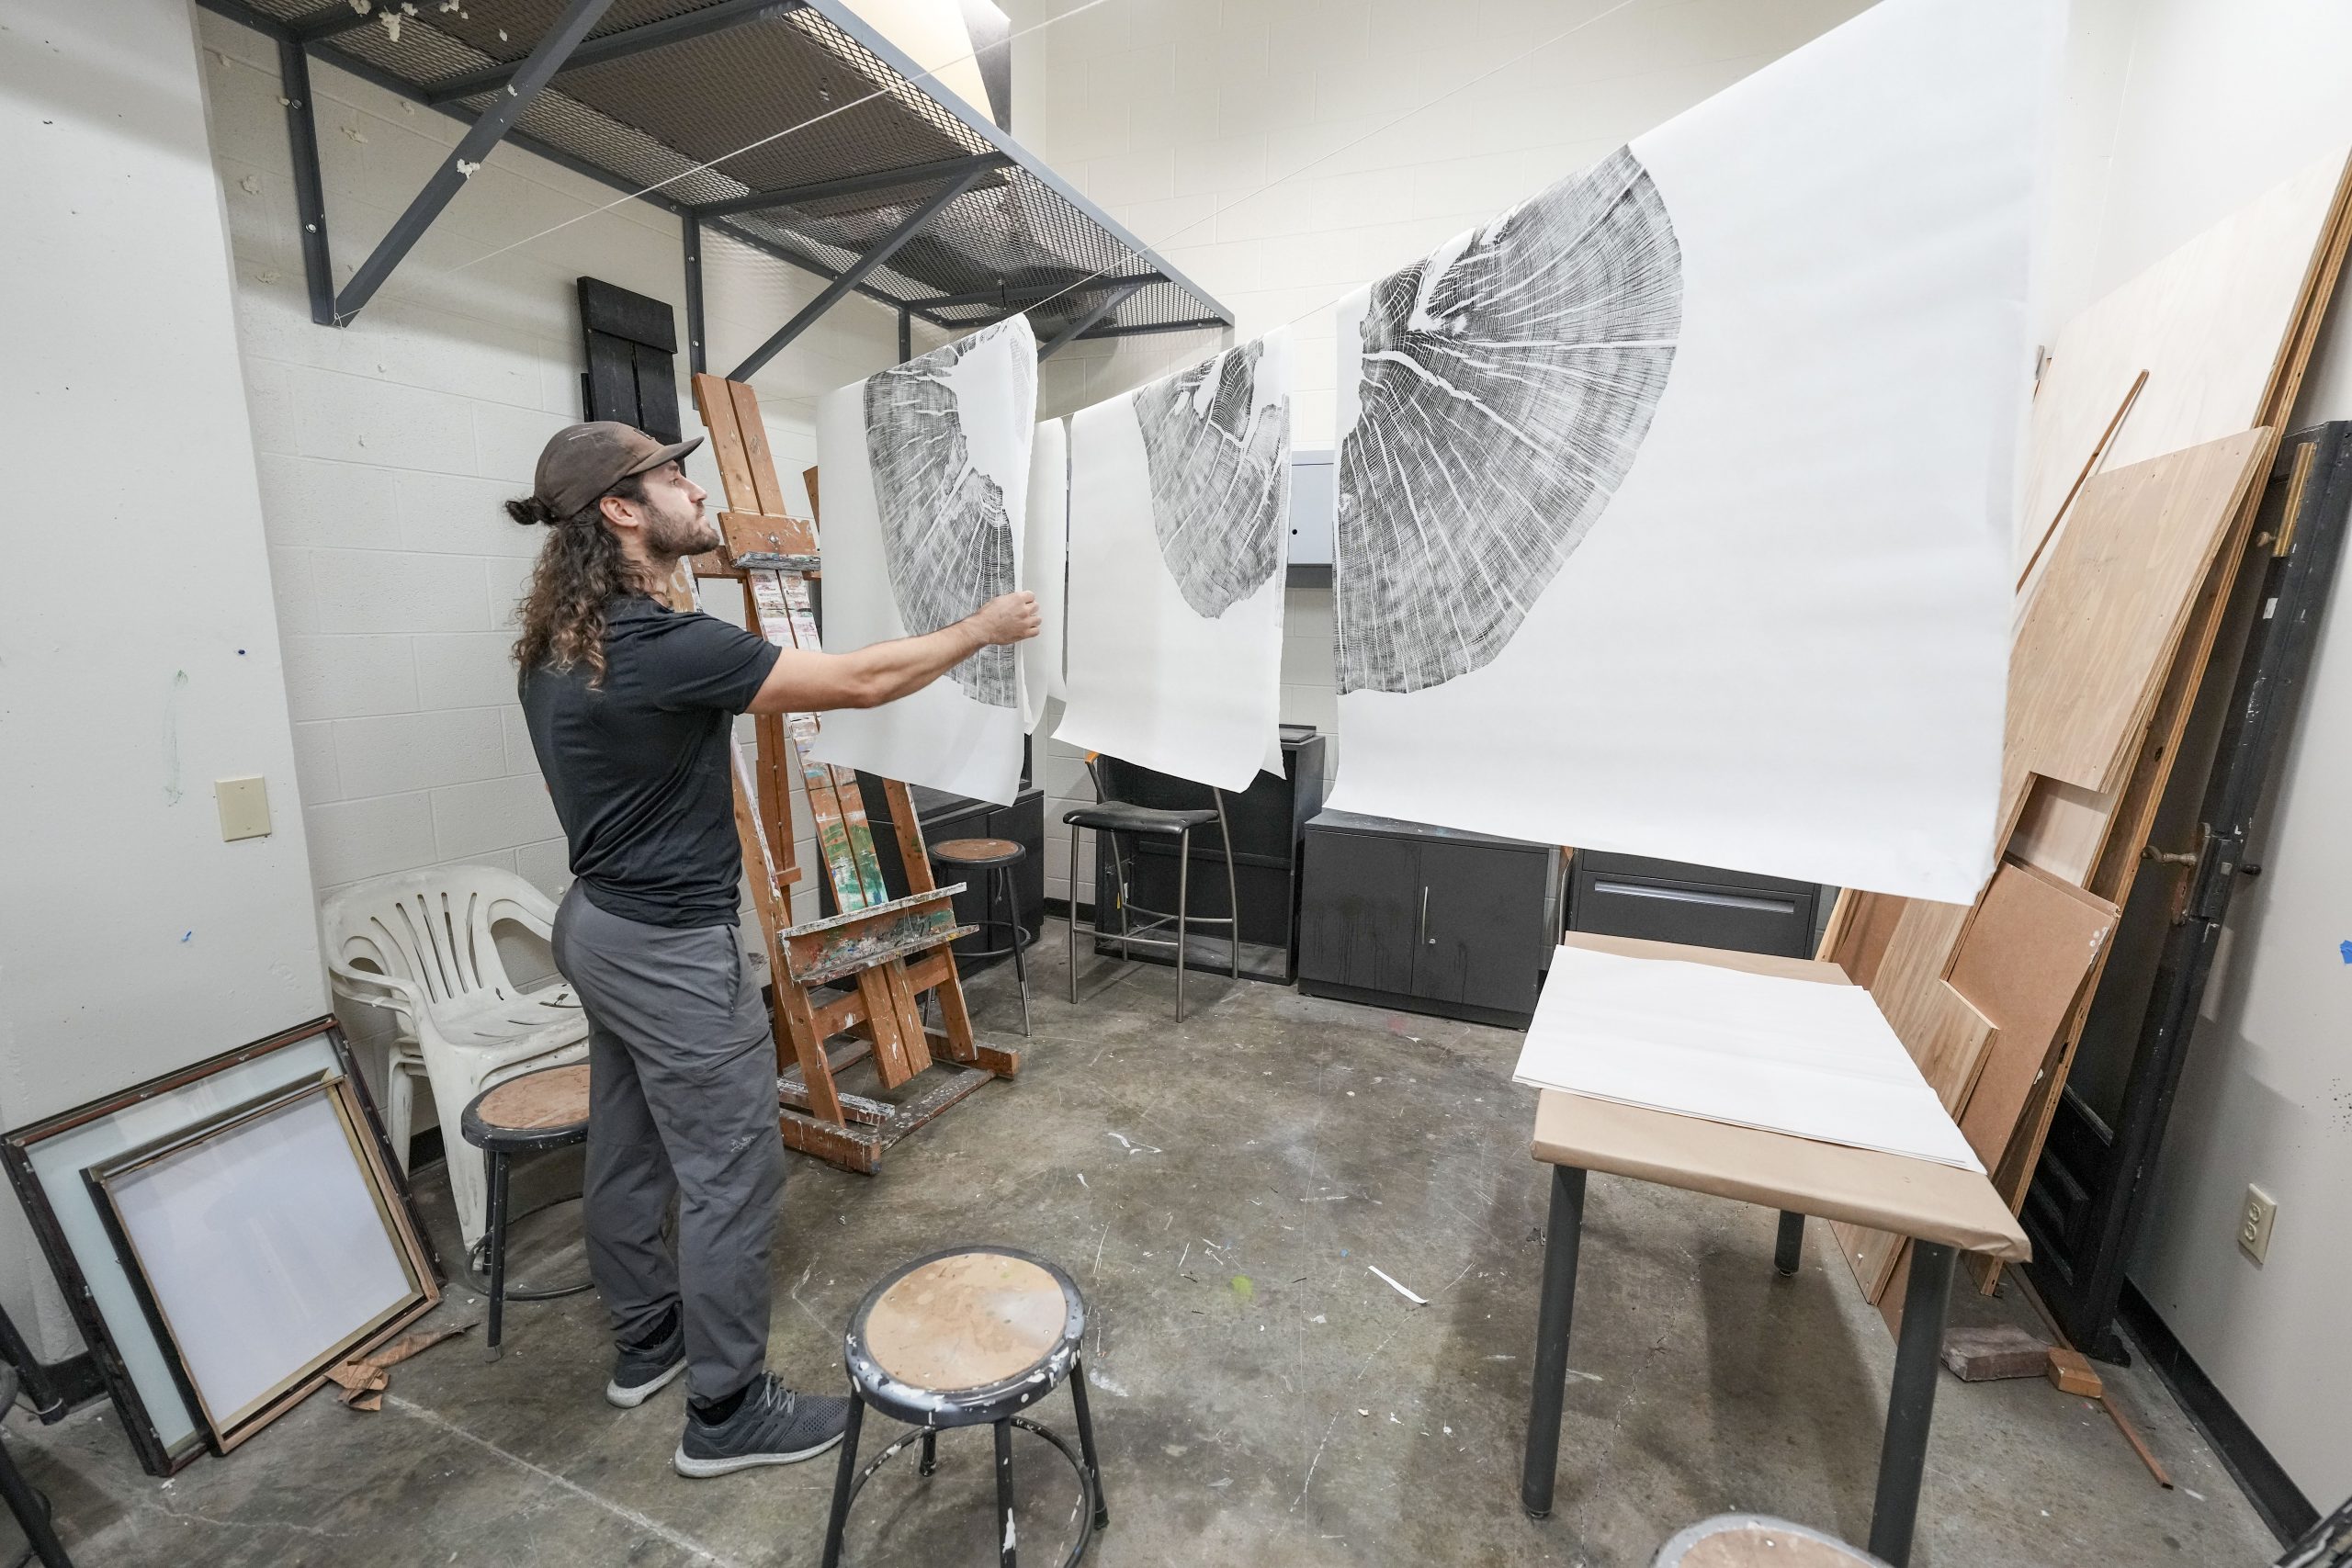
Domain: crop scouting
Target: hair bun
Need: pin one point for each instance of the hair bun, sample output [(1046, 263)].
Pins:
[(529, 509)]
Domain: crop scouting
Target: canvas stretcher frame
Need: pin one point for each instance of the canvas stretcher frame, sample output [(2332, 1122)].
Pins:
[(340, 1094), (135, 1365)]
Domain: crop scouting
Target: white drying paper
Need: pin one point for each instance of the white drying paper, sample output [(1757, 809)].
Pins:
[(1179, 529), (1044, 562), (1674, 504), (925, 471), (1800, 1057)]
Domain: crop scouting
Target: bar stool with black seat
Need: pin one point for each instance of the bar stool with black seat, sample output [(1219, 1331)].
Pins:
[(970, 1336), (993, 858), (1115, 817), (526, 1115)]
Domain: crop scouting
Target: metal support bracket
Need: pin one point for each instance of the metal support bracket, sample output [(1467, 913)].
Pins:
[(850, 279), (545, 59), (1103, 307)]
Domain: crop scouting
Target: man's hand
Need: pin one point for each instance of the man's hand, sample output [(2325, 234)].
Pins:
[(1007, 617)]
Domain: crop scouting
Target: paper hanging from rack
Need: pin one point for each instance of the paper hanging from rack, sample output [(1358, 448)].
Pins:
[(926, 474)]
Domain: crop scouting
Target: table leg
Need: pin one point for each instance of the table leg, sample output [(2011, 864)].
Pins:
[(1557, 1305), (1912, 1402), (1788, 1250)]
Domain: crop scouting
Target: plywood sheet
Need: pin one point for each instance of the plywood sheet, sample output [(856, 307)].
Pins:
[(2213, 325), (2030, 952), (2106, 613)]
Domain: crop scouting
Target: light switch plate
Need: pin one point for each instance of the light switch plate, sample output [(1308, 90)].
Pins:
[(244, 807)]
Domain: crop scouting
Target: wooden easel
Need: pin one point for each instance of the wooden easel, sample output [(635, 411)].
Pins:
[(880, 956)]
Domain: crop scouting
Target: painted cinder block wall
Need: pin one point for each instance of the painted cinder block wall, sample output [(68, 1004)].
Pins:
[(1284, 152), (385, 446)]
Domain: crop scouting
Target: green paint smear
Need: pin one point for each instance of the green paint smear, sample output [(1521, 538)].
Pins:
[(1243, 1288)]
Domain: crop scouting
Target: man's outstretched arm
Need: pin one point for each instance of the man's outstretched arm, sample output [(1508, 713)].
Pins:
[(803, 682)]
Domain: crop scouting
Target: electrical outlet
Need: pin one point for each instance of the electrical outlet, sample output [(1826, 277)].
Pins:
[(2261, 1212)]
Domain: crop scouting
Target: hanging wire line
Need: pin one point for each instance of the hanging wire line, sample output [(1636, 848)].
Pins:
[(1127, 254)]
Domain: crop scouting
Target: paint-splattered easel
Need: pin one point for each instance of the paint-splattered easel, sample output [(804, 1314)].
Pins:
[(881, 956)]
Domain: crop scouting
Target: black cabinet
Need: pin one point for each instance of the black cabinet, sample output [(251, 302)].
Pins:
[(1664, 900), (1426, 919), (943, 816), (1268, 821)]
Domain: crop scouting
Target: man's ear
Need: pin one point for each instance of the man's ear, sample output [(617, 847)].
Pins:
[(616, 511)]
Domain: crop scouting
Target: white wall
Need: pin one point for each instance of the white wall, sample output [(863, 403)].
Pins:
[(147, 662), (386, 446), (2208, 103), (1283, 153)]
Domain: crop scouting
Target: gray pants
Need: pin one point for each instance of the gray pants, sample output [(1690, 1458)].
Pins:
[(682, 1104)]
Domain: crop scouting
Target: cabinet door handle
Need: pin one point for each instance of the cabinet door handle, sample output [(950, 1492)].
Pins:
[(1423, 932)]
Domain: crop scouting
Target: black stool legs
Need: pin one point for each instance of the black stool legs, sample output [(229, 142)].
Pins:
[(1001, 877), (496, 1238), (846, 1481), (1086, 1439), (1005, 1555)]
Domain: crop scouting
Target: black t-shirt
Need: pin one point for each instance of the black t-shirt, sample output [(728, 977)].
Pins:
[(639, 767)]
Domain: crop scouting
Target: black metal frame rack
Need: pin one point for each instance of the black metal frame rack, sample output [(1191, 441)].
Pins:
[(886, 188)]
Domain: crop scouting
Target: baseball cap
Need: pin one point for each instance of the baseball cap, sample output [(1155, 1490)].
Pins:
[(581, 462)]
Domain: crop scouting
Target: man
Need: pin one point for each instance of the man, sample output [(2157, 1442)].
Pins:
[(630, 707)]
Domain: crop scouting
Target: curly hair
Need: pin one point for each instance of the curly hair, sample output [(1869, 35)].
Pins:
[(581, 570)]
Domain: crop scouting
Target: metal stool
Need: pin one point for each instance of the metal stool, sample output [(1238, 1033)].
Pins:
[(994, 859), (1757, 1541), (526, 1114), (967, 1338), (1115, 818)]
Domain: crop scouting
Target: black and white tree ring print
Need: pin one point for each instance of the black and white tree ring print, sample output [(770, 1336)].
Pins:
[(1219, 464), (1503, 389), (949, 542)]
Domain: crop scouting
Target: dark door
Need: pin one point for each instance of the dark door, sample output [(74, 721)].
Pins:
[(1362, 911), (1478, 924)]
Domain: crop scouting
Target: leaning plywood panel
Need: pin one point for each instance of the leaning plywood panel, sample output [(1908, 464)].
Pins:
[(926, 472), (2213, 326), (2103, 617), (1179, 507), (1674, 504), (2030, 950)]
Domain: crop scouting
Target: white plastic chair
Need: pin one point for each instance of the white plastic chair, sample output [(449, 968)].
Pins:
[(419, 944)]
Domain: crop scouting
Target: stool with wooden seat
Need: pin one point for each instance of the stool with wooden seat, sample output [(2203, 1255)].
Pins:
[(968, 1337), (1115, 817), (1755, 1541), (994, 859), (537, 1111)]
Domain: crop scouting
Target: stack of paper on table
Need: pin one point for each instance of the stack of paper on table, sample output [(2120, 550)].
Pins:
[(1798, 1057)]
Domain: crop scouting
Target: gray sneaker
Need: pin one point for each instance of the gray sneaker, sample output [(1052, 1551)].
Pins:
[(773, 1426), (641, 1372)]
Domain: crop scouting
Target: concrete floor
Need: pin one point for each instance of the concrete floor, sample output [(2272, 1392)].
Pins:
[(1220, 1191)]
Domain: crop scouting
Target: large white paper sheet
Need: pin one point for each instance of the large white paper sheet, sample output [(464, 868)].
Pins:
[(1045, 563), (1179, 529), (1674, 504), (925, 470), (1799, 1056)]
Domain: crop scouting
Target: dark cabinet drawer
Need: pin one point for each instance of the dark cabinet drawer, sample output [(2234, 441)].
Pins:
[(1702, 906)]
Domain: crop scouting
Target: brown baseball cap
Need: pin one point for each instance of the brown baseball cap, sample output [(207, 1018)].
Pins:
[(581, 462)]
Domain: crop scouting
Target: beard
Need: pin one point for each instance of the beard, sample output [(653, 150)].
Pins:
[(672, 532)]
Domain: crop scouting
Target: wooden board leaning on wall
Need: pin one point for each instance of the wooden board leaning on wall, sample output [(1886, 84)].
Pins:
[(2152, 426)]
